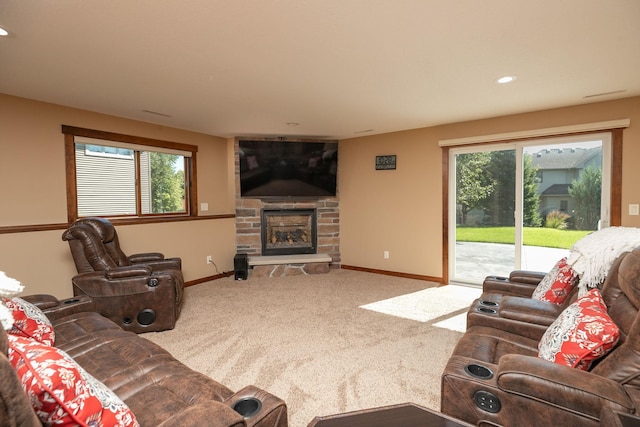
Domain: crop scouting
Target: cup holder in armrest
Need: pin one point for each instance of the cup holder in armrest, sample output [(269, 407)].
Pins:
[(501, 278), (487, 310), (489, 303), (247, 406), (71, 301), (478, 371)]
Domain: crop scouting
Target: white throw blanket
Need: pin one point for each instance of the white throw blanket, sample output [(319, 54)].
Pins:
[(592, 256), (8, 288)]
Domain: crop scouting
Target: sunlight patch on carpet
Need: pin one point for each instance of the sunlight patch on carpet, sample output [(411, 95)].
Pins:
[(444, 302), (456, 323)]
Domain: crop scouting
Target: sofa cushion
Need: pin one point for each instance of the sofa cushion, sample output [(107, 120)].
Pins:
[(29, 321), (61, 392), (557, 284), (582, 333)]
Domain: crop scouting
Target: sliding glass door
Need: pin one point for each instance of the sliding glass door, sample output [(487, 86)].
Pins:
[(522, 205), (485, 185)]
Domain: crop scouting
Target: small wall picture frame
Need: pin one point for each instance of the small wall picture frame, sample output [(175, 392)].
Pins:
[(386, 162)]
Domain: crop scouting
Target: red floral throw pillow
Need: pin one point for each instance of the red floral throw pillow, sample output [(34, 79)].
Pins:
[(557, 284), (61, 392), (29, 321), (582, 333)]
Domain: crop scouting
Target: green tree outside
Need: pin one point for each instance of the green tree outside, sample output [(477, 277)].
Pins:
[(500, 205), (493, 176), (531, 199), (167, 184), (586, 192), (473, 185)]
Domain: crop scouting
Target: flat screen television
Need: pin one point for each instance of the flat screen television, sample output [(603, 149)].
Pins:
[(288, 169)]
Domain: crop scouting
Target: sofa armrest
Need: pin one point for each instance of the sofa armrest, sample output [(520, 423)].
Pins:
[(503, 286), (272, 411), (42, 301), (526, 276), (128, 271), (214, 414), (158, 264), (145, 257), (120, 281), (558, 385), (529, 310), (55, 309), (522, 316)]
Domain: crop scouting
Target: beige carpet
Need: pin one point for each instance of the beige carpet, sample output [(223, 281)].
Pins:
[(306, 340), (431, 304)]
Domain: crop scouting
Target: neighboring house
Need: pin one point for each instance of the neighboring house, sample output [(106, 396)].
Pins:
[(557, 169), (106, 181)]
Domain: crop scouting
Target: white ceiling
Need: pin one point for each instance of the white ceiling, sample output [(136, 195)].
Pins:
[(336, 67)]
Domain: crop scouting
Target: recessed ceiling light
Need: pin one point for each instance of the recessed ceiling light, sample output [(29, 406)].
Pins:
[(506, 79), (364, 131), (3, 32)]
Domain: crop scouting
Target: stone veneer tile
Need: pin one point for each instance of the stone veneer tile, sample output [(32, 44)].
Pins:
[(317, 268)]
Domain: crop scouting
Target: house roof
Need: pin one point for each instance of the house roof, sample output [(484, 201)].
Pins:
[(557, 190), (564, 158), (325, 68)]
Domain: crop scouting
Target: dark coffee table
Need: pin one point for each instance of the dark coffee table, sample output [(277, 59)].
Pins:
[(403, 415)]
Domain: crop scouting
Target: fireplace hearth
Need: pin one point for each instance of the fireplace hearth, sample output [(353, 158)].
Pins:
[(289, 231)]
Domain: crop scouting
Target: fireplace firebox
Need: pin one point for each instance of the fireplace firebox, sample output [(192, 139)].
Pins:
[(289, 231)]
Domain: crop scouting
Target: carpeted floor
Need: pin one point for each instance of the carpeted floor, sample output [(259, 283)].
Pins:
[(307, 340), (436, 305)]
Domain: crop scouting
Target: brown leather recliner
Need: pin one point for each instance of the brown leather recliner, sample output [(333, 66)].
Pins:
[(494, 377), (141, 292), (506, 303), (520, 283), (95, 247)]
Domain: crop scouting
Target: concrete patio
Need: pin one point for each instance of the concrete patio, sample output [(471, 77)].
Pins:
[(475, 261)]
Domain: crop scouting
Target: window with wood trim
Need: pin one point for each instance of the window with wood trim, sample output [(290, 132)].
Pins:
[(122, 176)]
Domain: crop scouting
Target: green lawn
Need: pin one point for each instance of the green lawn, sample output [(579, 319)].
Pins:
[(545, 237)]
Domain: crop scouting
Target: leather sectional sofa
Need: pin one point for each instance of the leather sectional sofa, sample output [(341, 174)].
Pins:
[(159, 390), (494, 376)]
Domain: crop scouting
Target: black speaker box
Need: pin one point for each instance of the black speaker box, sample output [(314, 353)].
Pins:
[(241, 267)]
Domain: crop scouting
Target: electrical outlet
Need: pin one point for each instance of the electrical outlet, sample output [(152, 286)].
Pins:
[(209, 259), (386, 254), (634, 209)]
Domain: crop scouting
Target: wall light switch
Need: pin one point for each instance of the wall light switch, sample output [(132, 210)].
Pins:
[(634, 209), (204, 207)]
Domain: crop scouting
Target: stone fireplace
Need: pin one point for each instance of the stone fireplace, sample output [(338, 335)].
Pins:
[(289, 231), (250, 236)]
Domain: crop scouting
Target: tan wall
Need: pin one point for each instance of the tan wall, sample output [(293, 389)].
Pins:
[(397, 211), (32, 185), (400, 211)]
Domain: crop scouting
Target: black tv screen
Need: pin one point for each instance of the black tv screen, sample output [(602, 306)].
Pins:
[(288, 169)]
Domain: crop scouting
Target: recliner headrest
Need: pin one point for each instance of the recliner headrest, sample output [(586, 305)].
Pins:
[(102, 227)]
